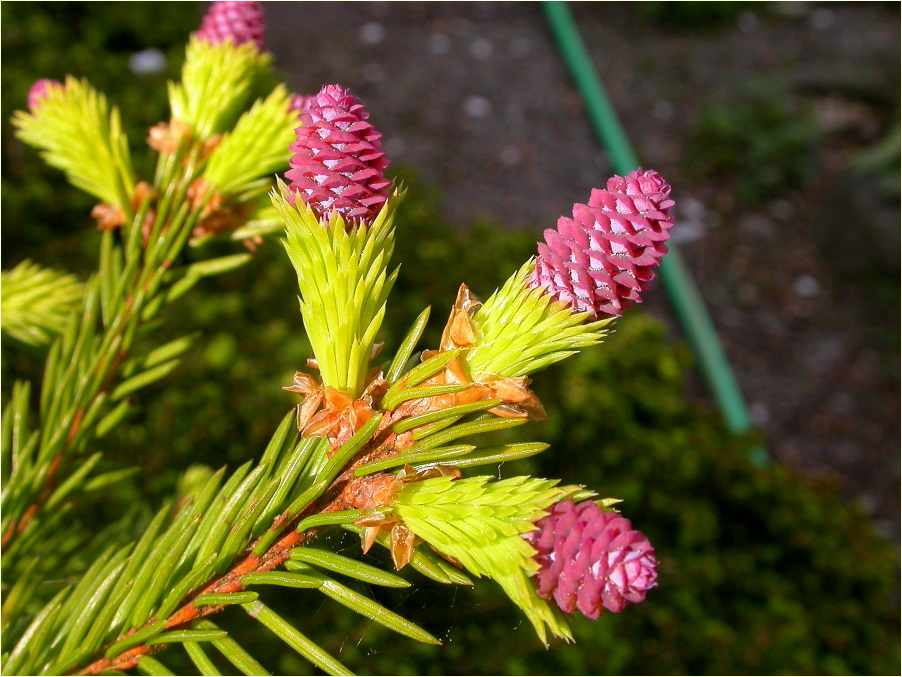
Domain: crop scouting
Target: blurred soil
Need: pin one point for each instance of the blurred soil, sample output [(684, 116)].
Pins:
[(802, 286)]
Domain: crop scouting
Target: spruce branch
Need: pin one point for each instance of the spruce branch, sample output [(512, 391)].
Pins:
[(479, 523), (210, 554), (300, 487), (230, 536), (90, 372), (588, 270), (80, 381)]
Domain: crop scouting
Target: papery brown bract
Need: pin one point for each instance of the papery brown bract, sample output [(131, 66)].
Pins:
[(327, 412), (374, 494), (517, 399)]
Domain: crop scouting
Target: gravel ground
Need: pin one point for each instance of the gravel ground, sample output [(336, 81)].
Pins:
[(475, 97)]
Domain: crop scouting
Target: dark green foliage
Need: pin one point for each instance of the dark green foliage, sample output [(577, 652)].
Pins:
[(760, 571), (697, 15), (758, 140), (881, 162)]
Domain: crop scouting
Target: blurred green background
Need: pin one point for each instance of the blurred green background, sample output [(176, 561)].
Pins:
[(762, 571)]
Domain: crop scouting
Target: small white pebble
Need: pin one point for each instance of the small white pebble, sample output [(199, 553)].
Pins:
[(842, 403), (477, 106), (759, 414), (519, 47), (394, 146), (481, 49), (439, 44), (781, 210), (372, 33), (821, 19), (147, 62), (510, 155), (868, 503), (514, 113), (748, 22), (662, 110), (806, 286)]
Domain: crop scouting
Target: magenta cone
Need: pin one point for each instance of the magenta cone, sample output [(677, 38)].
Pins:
[(604, 257), (239, 22), (591, 560), (338, 162)]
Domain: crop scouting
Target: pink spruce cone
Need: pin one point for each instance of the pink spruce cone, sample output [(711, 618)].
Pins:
[(591, 559), (239, 22), (38, 92), (338, 163), (601, 259)]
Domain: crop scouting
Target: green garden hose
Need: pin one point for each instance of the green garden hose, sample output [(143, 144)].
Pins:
[(684, 295)]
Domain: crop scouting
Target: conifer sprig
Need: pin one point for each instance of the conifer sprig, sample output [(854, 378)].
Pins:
[(201, 559), (88, 377), (521, 330), (76, 131), (90, 373), (218, 82), (344, 281), (230, 537), (480, 523)]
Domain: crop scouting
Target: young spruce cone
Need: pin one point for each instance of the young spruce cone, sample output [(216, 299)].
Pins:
[(338, 162), (239, 22), (591, 559), (601, 259)]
